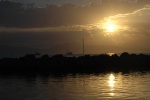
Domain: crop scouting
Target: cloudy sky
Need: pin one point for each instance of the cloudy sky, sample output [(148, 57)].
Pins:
[(58, 2), (106, 26)]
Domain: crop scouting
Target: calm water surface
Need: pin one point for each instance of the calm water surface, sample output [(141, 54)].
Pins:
[(109, 86)]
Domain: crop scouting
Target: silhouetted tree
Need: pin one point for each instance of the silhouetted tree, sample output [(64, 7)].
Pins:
[(124, 55), (45, 57)]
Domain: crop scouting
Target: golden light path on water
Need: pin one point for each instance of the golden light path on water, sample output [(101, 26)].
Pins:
[(111, 84)]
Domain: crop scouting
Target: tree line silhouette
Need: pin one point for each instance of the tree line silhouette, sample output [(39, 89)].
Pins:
[(83, 64)]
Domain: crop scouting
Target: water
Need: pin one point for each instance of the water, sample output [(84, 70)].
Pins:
[(109, 86)]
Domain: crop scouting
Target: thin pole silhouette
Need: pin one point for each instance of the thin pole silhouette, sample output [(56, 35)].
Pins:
[(83, 45)]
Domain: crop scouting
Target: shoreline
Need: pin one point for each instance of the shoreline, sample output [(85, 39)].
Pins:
[(83, 64)]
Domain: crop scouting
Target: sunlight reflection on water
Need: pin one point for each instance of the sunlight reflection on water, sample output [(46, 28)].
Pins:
[(110, 86), (111, 83)]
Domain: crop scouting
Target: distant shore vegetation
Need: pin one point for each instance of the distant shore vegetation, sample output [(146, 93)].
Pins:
[(83, 64)]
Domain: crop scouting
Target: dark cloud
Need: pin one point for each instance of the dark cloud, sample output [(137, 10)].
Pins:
[(19, 15), (57, 2)]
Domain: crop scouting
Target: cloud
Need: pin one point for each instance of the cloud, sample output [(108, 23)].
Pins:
[(137, 21), (29, 16), (76, 28), (44, 29)]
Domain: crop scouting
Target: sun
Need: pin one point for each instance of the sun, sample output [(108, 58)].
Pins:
[(110, 26)]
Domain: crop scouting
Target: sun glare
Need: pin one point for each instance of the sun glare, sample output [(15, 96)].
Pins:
[(111, 80), (111, 84), (110, 26)]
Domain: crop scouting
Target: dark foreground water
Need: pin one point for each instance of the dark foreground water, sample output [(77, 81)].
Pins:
[(109, 86)]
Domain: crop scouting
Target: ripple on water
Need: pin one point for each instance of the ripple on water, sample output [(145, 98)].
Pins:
[(109, 86)]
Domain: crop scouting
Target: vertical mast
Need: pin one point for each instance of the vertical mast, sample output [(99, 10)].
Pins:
[(83, 45)]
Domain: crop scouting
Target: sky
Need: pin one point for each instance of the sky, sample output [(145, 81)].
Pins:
[(107, 26), (57, 2)]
